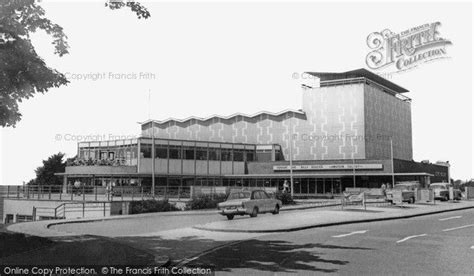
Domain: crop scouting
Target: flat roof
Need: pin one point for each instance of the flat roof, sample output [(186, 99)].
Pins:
[(274, 175), (358, 73), (326, 174)]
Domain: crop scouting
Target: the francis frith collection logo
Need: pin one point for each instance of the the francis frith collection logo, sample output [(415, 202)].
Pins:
[(405, 50)]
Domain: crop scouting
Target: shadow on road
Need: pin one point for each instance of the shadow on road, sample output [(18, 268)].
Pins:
[(273, 256), (81, 250), (175, 249)]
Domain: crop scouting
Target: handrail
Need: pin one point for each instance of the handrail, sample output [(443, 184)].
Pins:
[(60, 211)]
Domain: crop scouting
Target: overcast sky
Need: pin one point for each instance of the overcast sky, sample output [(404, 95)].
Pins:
[(220, 58)]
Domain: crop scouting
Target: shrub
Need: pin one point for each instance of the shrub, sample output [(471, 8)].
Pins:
[(286, 198), (151, 206), (204, 201)]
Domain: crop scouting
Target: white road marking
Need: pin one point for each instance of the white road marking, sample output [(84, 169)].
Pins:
[(456, 228), (456, 217), (411, 237), (351, 233)]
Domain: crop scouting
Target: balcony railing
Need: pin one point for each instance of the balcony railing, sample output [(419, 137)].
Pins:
[(96, 193)]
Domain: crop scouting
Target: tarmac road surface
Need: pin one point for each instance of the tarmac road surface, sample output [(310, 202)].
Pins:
[(441, 244)]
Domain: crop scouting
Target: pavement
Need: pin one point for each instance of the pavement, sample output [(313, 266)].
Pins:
[(322, 218)]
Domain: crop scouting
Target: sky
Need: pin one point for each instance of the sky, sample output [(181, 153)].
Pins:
[(221, 58)]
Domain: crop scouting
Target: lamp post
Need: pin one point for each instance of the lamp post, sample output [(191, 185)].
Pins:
[(353, 172), (153, 159), (391, 157), (449, 176), (291, 155)]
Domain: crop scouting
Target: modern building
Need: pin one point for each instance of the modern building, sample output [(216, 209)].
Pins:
[(353, 130)]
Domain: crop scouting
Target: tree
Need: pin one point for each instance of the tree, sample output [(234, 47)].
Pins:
[(45, 174), (22, 72)]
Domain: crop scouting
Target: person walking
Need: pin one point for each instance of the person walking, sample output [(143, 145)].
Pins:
[(77, 187), (286, 187), (383, 189)]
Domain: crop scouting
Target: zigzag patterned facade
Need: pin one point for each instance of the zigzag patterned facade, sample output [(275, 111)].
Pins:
[(349, 121)]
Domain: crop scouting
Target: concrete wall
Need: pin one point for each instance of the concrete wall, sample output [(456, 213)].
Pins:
[(339, 122), (387, 116), (330, 113), (335, 123)]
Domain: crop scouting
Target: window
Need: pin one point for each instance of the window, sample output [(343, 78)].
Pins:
[(279, 155), (161, 152), (238, 155), (250, 156), (134, 151), (103, 155), (188, 153), (111, 155), (256, 195), (121, 153), (175, 152), (93, 154), (226, 155), (201, 154), (145, 151), (214, 154)]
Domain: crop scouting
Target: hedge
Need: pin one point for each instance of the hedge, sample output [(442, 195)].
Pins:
[(151, 206)]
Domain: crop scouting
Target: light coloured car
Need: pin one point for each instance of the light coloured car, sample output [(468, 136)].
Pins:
[(408, 192), (248, 203), (441, 191)]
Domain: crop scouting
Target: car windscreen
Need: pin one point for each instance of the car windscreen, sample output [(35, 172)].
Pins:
[(238, 195), (437, 187), (400, 187)]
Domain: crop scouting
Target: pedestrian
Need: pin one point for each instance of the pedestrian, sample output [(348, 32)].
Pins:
[(77, 187), (108, 189), (383, 189), (286, 188), (69, 188)]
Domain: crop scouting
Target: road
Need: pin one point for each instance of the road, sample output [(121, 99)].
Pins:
[(441, 244), (138, 226)]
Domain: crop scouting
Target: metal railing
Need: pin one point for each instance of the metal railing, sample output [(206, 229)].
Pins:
[(96, 193), (80, 209)]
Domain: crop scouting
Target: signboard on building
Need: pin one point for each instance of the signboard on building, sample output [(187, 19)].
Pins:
[(329, 167)]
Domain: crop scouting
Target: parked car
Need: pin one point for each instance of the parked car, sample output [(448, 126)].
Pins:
[(408, 192), (441, 191), (248, 203)]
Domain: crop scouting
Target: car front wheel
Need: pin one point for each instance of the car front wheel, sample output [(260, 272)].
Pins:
[(276, 210), (412, 200), (254, 212), (230, 217)]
